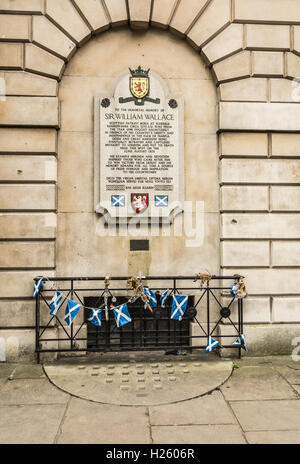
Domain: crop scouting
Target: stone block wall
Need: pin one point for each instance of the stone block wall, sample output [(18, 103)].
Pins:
[(252, 50)]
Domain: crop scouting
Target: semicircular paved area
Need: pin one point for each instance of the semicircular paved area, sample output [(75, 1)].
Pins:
[(139, 382)]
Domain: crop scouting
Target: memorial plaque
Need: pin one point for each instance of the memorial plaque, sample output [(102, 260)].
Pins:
[(139, 153)]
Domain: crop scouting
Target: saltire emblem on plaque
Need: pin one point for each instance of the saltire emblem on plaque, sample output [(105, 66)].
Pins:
[(139, 83), (161, 200), (139, 202), (118, 200)]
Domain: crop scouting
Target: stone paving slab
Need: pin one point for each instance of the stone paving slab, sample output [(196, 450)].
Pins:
[(89, 423), (6, 369), (29, 371), (209, 409), (297, 388), (274, 437), (30, 424), (198, 434), (257, 383), (139, 383), (290, 374), (268, 415), (31, 391)]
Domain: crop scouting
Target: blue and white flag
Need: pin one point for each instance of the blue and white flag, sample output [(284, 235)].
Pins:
[(161, 200), (55, 303), (241, 341), (151, 297), (95, 317), (36, 288), (179, 306), (118, 200), (163, 298), (212, 344), (234, 289), (71, 311), (122, 315)]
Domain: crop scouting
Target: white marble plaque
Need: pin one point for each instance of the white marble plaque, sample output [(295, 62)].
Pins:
[(139, 157)]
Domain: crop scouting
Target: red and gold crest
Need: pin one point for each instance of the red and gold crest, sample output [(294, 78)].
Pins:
[(139, 86)]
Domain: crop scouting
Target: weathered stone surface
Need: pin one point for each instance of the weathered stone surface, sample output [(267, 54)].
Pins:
[(267, 63), (19, 284), (244, 144), (227, 42), (185, 14), (51, 38), (284, 90), (286, 145), (154, 47), (260, 170), (94, 13), (29, 111), (200, 434), (14, 27), (18, 418), (76, 149), (269, 281), (244, 90), (38, 60), (286, 254), (66, 17), (27, 140), (139, 13), (22, 6), (259, 116), (268, 415), (24, 168), (102, 419), (272, 37), (27, 254), (292, 65), (256, 309), (297, 38), (257, 383), (27, 225), (244, 198), (10, 311), (215, 17), (117, 12), (284, 437), (236, 66), (31, 391), (270, 339), (245, 254), (11, 55), (28, 197), (162, 12), (208, 409), (23, 83), (285, 198), (286, 309), (248, 225), (267, 11)]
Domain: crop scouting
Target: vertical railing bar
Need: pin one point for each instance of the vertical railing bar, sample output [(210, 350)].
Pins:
[(37, 328)]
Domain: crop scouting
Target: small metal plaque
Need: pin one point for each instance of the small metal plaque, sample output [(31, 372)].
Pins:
[(139, 245)]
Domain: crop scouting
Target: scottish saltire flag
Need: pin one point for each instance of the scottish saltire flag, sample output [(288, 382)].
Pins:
[(179, 306), (118, 200), (234, 289), (55, 303), (122, 315), (71, 311), (151, 297), (212, 344), (36, 288), (95, 317), (161, 200), (163, 298), (241, 341)]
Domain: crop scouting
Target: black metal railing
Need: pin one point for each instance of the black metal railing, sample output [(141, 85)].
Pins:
[(148, 330)]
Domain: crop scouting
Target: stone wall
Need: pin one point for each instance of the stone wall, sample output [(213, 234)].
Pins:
[(252, 49)]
